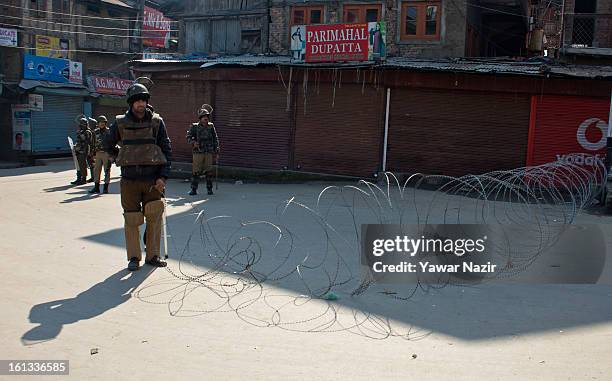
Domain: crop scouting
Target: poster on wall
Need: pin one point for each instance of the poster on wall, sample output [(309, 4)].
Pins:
[(76, 72), (22, 131), (8, 37), (36, 102), (338, 42), (53, 47)]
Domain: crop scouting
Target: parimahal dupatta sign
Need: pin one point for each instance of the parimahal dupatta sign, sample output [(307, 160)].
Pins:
[(338, 42)]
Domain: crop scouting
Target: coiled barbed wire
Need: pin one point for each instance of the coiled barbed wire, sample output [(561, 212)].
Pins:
[(314, 250)]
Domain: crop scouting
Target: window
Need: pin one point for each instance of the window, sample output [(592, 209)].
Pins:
[(250, 40), (306, 15), (420, 20), (362, 13), (37, 6), (61, 7)]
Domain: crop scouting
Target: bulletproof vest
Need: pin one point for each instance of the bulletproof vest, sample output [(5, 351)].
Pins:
[(83, 141), (138, 142), (204, 137), (98, 139)]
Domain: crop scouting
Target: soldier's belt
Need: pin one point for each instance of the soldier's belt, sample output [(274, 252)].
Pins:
[(139, 141)]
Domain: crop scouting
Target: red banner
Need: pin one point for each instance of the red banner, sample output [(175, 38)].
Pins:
[(155, 28), (337, 42), (105, 85)]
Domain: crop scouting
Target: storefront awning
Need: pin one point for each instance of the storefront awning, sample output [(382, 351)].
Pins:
[(45, 87)]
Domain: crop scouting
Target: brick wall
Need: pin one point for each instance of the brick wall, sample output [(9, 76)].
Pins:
[(452, 39)]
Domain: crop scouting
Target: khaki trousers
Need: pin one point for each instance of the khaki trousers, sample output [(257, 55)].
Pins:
[(140, 200), (102, 159)]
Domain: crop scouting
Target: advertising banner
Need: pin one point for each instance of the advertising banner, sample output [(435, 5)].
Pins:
[(338, 42)]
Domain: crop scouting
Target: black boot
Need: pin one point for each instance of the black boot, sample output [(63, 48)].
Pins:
[(91, 172), (80, 180), (95, 189), (194, 186), (105, 190), (209, 185), (75, 182)]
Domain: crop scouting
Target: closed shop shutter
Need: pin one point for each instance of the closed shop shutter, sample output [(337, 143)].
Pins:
[(252, 124), (52, 126), (339, 134), (562, 125), (456, 132), (178, 102), (109, 111)]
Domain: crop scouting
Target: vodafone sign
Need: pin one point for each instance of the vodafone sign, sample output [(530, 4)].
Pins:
[(564, 125), (581, 135)]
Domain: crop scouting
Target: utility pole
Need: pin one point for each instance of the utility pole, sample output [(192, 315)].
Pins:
[(141, 5)]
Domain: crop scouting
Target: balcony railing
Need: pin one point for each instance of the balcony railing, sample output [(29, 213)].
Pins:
[(588, 31)]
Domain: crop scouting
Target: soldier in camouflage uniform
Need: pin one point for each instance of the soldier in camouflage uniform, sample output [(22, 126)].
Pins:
[(82, 149), (144, 158), (93, 124), (101, 157), (203, 138)]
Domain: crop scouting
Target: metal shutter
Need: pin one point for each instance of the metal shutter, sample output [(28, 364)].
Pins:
[(339, 134), (52, 126), (252, 124), (178, 102), (456, 132), (556, 123)]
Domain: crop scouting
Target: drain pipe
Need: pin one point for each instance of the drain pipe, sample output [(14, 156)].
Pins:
[(384, 158)]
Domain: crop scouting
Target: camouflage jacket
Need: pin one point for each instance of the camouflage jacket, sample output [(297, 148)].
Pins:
[(99, 136), (83, 142), (205, 136)]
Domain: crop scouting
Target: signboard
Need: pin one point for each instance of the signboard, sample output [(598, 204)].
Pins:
[(8, 37), (76, 72), (155, 28), (158, 56), (53, 47), (555, 134), (338, 42), (105, 85), (36, 102), (52, 69), (22, 131)]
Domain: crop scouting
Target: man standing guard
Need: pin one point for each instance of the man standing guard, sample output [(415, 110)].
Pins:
[(203, 138), (144, 158), (93, 124), (82, 149), (101, 157)]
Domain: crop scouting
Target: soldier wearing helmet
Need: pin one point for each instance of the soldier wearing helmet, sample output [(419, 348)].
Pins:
[(205, 148), (101, 157), (82, 150), (144, 158)]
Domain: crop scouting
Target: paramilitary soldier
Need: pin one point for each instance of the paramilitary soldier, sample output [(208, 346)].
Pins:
[(101, 157), (82, 149), (203, 138), (144, 158), (93, 125)]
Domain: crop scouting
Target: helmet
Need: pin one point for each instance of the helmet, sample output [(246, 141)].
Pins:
[(82, 120), (102, 118), (205, 110), (137, 90)]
